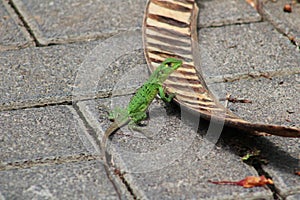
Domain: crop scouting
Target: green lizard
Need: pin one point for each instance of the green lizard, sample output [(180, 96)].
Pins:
[(139, 103)]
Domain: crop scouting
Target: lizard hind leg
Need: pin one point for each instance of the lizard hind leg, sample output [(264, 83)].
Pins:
[(117, 113), (142, 130)]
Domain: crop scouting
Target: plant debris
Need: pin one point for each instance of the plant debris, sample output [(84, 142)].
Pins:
[(248, 182), (251, 154)]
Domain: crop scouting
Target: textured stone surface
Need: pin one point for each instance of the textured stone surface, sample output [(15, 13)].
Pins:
[(287, 23), (81, 180), (224, 12), (42, 132), (274, 101), (47, 152), (13, 34), (255, 47), (36, 76), (293, 197), (284, 161), (121, 75), (66, 21), (109, 62)]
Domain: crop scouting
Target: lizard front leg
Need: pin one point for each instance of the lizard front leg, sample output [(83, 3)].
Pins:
[(163, 95)]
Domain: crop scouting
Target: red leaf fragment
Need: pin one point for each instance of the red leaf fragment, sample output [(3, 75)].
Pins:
[(248, 182)]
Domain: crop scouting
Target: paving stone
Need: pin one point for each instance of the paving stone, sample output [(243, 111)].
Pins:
[(67, 21), (113, 78), (38, 76), (293, 197), (274, 101), (222, 12), (176, 163), (81, 180), (287, 23), (55, 74), (256, 47), (13, 34), (284, 161), (36, 133)]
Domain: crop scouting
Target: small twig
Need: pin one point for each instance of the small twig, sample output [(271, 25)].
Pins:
[(226, 100), (234, 100)]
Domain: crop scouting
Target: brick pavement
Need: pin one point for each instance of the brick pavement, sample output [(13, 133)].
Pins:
[(49, 144)]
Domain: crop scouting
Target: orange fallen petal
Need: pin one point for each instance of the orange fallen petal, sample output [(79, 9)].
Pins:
[(254, 181), (297, 173), (248, 182)]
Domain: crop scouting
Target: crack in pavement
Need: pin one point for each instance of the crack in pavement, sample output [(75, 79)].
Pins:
[(49, 161)]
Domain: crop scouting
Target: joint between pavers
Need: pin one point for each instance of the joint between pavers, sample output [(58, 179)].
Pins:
[(26, 25), (15, 17), (33, 104), (280, 26), (229, 23), (252, 75), (49, 161), (43, 102), (75, 39), (117, 179)]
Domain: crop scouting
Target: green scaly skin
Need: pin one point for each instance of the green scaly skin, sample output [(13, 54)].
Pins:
[(139, 103)]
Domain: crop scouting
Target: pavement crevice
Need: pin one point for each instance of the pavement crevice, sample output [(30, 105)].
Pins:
[(68, 100), (25, 24), (278, 25), (258, 167), (126, 183), (269, 74), (229, 24), (34, 104), (50, 161), (241, 145), (93, 133)]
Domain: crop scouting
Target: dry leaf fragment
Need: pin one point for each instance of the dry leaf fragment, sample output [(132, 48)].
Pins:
[(248, 182)]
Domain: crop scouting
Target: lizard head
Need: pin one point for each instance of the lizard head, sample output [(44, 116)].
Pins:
[(166, 68)]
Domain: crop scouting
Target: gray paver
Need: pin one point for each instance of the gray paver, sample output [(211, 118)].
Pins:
[(13, 34), (112, 79), (222, 12), (287, 23), (42, 132), (293, 197), (274, 101), (284, 161), (66, 21), (254, 47), (38, 76), (81, 180)]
